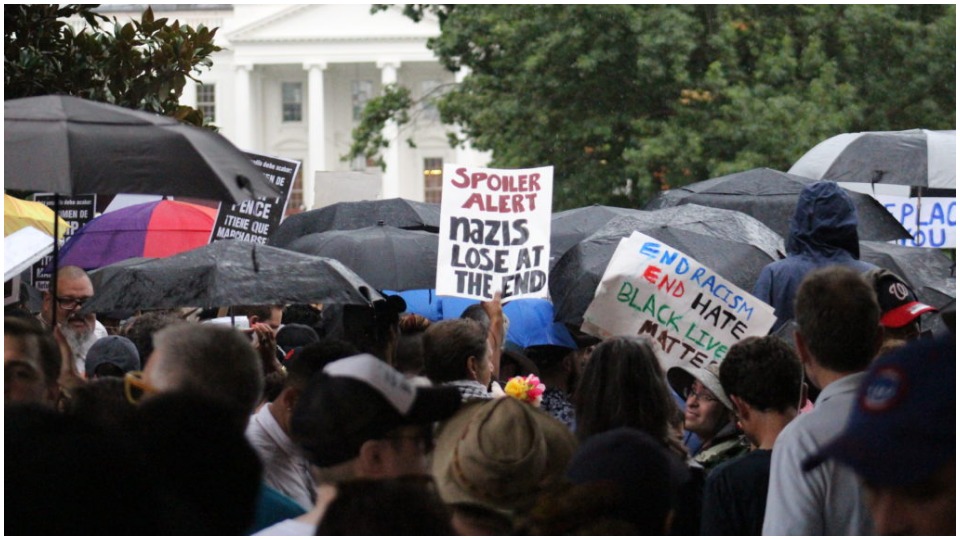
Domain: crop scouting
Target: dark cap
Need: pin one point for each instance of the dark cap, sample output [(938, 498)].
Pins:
[(361, 398), (116, 350), (898, 303), (903, 425)]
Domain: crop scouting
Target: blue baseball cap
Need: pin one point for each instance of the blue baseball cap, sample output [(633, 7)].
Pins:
[(903, 425)]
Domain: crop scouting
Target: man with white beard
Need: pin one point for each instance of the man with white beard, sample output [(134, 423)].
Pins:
[(74, 288)]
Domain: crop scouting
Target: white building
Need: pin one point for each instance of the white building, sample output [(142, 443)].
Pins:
[(292, 79)]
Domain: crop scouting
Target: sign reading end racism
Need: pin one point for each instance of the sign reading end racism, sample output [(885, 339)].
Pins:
[(692, 313), (495, 232)]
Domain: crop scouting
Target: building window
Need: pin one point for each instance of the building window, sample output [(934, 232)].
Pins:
[(361, 92), (292, 102), (295, 203), (207, 102), (432, 179), (428, 100)]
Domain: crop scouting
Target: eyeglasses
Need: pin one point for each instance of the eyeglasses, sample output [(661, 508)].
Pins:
[(71, 303), (703, 395), (134, 387)]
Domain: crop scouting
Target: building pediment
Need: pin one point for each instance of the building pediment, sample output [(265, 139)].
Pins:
[(324, 23)]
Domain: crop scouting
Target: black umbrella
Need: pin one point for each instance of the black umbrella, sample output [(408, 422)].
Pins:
[(400, 213), (70, 146), (386, 257), (930, 273), (717, 222), (228, 273), (771, 197), (574, 280), (569, 227)]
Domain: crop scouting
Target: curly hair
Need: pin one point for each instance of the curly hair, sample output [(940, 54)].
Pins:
[(763, 371)]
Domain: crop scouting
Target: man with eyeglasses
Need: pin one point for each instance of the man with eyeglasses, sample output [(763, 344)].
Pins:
[(74, 288)]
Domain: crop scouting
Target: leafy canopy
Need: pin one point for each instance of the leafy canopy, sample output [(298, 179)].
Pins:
[(142, 64), (626, 100)]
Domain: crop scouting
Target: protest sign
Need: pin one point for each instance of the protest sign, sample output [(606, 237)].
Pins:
[(253, 220), (495, 232), (693, 314), (932, 221), (77, 211)]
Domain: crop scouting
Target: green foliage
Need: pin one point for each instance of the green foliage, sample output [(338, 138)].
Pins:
[(626, 100), (142, 64)]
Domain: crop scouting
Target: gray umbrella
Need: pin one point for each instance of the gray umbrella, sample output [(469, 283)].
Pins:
[(771, 197), (386, 257), (569, 227), (69, 146), (228, 273), (930, 273), (400, 213), (574, 280)]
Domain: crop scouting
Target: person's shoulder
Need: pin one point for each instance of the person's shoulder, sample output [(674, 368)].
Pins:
[(740, 465)]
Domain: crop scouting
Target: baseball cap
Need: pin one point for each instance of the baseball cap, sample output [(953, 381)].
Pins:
[(361, 398), (681, 377), (116, 350), (898, 303), (903, 425)]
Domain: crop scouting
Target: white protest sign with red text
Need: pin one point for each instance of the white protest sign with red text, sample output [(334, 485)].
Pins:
[(495, 232), (692, 313)]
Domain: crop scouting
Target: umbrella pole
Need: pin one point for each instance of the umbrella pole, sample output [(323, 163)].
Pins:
[(56, 260)]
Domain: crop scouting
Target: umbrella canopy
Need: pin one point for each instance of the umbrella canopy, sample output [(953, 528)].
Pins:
[(228, 273), (154, 229), (23, 248), (569, 227), (574, 280), (771, 197), (18, 213), (930, 273), (400, 213), (717, 222), (385, 257), (72, 146), (915, 157)]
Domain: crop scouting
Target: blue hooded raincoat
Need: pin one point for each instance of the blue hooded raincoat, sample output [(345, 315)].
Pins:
[(823, 233)]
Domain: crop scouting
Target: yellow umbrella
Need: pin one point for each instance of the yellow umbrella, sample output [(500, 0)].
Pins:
[(18, 213)]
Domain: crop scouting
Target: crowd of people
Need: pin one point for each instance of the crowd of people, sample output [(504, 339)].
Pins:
[(368, 420)]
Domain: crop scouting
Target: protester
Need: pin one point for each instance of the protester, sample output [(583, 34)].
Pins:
[(762, 378), (559, 372), (499, 456), (386, 507), (79, 330), (823, 232), (295, 335), (900, 440), (141, 328), (708, 414), (409, 356), (371, 329), (270, 315), (456, 353), (111, 356), (31, 363), (286, 469), (900, 310), (838, 335), (101, 402), (360, 418)]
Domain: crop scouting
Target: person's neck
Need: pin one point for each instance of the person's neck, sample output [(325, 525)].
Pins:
[(765, 427), (277, 413)]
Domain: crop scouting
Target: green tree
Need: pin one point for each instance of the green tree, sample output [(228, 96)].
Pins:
[(626, 100), (140, 64)]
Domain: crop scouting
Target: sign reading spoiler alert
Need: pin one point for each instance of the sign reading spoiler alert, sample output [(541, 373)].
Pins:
[(692, 313), (495, 232)]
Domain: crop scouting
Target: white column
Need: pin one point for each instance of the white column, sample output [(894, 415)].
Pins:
[(188, 97), (390, 187), (243, 110), (316, 134)]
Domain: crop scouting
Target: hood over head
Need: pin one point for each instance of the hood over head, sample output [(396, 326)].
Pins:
[(824, 222)]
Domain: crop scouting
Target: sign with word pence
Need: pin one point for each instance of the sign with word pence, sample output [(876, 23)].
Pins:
[(254, 219), (495, 232), (692, 313), (77, 211)]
